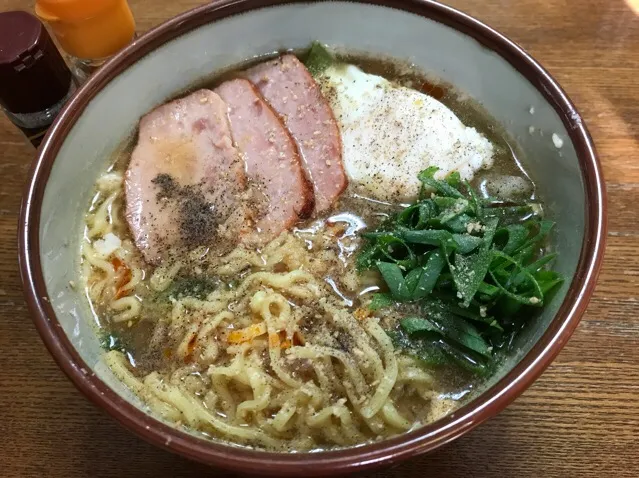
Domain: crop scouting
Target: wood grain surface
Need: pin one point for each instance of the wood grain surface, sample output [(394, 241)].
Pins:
[(580, 419)]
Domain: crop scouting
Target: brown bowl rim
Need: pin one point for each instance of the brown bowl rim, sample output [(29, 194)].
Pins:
[(419, 441)]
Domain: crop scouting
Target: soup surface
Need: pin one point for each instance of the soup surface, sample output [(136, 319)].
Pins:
[(286, 259)]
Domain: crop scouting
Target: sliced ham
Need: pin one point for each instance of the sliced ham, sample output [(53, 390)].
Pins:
[(289, 88), (185, 179), (270, 155)]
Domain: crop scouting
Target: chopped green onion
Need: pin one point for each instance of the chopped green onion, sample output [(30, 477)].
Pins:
[(471, 266)]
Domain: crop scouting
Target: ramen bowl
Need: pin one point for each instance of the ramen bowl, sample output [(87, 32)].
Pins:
[(474, 58)]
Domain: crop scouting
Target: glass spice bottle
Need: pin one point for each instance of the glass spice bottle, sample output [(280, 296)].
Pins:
[(35, 82)]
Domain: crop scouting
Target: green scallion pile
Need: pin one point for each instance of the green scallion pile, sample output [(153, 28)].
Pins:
[(473, 268)]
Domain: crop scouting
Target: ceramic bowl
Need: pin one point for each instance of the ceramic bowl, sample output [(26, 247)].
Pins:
[(444, 42)]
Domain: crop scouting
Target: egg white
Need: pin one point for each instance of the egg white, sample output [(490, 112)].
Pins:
[(390, 133)]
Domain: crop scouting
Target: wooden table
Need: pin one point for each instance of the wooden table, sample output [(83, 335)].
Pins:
[(581, 418)]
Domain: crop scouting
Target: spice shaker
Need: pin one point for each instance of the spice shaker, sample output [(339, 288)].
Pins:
[(89, 31), (35, 82)]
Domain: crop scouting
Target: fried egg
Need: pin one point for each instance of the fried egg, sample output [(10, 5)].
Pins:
[(390, 133)]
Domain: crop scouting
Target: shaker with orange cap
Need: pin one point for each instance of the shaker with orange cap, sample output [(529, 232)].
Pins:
[(89, 30)]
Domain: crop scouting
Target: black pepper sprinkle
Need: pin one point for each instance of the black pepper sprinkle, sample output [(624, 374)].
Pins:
[(197, 216), (168, 186)]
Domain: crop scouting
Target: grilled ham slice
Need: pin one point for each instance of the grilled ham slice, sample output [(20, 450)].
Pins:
[(291, 91), (270, 155), (185, 179)]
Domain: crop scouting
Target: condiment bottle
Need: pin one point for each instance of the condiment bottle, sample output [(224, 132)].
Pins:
[(35, 82), (90, 31)]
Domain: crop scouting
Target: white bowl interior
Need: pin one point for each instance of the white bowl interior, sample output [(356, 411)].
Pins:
[(438, 49)]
